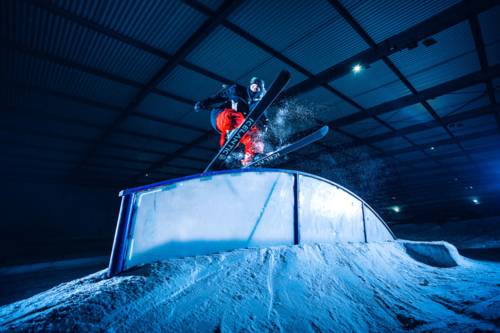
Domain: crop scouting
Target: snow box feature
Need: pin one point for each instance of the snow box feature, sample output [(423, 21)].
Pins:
[(232, 209)]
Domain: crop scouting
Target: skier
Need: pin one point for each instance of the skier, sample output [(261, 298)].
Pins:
[(229, 108)]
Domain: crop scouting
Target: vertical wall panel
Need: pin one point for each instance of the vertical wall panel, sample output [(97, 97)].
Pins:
[(328, 213)]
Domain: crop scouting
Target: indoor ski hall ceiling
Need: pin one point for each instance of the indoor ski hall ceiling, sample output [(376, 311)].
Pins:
[(102, 92)]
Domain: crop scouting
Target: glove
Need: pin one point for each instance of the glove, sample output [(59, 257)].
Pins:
[(198, 106)]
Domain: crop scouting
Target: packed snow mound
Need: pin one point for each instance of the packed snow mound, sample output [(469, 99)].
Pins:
[(439, 254), (344, 287)]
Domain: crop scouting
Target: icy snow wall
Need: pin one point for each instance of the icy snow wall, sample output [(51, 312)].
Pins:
[(231, 209)]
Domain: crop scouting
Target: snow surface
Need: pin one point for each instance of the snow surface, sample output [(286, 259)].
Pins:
[(343, 287)]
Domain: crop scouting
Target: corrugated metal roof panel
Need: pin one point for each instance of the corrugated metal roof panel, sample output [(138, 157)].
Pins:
[(187, 163), (408, 116), (227, 54), (428, 136), (385, 18), (50, 126), (280, 23), (212, 4), (392, 144), (163, 24), (425, 163), (189, 84), (411, 156), (335, 138), (117, 164), (167, 108), (168, 169), (490, 141), (33, 155), (454, 55), (326, 47), (444, 149), (117, 174), (22, 137), (138, 142), (192, 85), (489, 155), (451, 161), (366, 128), (340, 110), (126, 153), (489, 28), (39, 166), (38, 30), (496, 84), (199, 119), (479, 124), (372, 85), (450, 70), (384, 93), (326, 105), (150, 127), (320, 96), (199, 153), (21, 68), (493, 53), (28, 99), (30, 155), (268, 70), (460, 101)]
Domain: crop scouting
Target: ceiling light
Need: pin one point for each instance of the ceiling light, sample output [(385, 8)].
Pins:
[(475, 201), (396, 209), (357, 68)]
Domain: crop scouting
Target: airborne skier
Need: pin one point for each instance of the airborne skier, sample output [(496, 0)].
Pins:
[(229, 107)]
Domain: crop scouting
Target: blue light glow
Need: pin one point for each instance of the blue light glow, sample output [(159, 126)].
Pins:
[(357, 68)]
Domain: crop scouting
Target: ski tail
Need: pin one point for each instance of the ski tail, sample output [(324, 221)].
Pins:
[(294, 146), (253, 116)]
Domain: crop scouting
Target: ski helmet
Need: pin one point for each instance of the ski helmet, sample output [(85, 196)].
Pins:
[(259, 82)]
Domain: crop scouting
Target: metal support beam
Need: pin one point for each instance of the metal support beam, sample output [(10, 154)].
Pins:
[(483, 60)]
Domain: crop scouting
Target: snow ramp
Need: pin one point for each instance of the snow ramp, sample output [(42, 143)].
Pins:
[(226, 210), (342, 287)]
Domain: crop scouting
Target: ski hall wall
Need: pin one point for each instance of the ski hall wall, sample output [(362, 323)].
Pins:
[(237, 209)]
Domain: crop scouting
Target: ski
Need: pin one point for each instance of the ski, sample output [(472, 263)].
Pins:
[(274, 155), (253, 116)]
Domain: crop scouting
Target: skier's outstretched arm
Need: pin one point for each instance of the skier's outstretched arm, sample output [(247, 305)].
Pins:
[(218, 99)]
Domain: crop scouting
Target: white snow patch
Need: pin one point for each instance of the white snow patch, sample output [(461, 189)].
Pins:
[(344, 287), (438, 254)]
